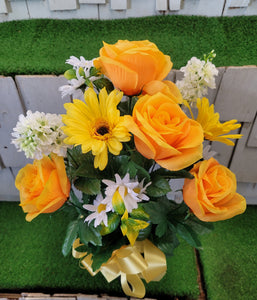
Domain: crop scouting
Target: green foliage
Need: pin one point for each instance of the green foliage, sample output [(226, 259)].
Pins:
[(171, 219), (89, 234), (140, 214), (167, 243), (113, 223), (123, 164), (173, 174), (103, 82), (88, 185), (71, 235), (159, 187)]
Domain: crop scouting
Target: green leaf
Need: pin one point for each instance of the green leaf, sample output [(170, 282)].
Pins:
[(161, 228), (113, 223), (103, 82), (167, 243), (157, 211), (88, 83), (88, 185), (144, 233), (89, 234), (86, 169), (71, 235), (74, 200), (159, 187), (94, 72), (123, 108), (173, 174), (102, 254), (142, 173), (188, 235), (128, 168), (199, 226), (140, 214)]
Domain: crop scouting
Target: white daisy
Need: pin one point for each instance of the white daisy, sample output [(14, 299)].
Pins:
[(81, 63), (130, 191), (73, 86), (99, 210)]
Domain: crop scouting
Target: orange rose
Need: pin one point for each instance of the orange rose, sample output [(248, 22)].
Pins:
[(130, 65), (163, 132), (166, 87), (211, 195), (43, 186)]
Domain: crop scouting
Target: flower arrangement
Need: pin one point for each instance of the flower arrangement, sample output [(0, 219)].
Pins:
[(111, 158)]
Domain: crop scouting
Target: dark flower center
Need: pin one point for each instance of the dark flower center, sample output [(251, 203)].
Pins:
[(102, 130)]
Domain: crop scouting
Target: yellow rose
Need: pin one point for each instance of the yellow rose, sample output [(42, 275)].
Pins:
[(211, 195), (130, 65), (44, 186), (166, 87), (163, 132)]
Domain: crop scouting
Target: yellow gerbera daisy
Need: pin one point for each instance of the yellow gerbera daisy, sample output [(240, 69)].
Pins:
[(213, 129), (96, 125)]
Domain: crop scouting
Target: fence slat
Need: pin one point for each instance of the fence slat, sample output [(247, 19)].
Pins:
[(40, 93), (244, 162), (236, 97), (252, 141), (10, 109), (8, 192)]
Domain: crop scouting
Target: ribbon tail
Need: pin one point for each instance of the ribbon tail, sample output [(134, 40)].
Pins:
[(132, 285)]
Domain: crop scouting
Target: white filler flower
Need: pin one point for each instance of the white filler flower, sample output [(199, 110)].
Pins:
[(198, 77), (99, 210), (130, 191), (39, 133)]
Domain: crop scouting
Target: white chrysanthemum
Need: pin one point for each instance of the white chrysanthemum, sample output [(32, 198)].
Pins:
[(131, 191), (99, 210), (199, 75), (39, 133)]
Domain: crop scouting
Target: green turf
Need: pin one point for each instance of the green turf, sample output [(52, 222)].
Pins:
[(31, 260), (42, 46), (229, 258)]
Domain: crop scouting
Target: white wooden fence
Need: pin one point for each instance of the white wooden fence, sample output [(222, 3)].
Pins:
[(113, 9), (235, 98)]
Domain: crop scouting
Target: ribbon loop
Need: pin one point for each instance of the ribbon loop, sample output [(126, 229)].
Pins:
[(143, 260)]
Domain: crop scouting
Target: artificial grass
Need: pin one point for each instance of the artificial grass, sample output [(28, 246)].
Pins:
[(31, 261), (42, 46), (229, 258)]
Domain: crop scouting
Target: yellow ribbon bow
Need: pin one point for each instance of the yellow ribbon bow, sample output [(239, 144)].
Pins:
[(131, 263)]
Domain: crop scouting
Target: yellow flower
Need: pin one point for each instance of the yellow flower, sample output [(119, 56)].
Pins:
[(96, 125), (213, 129)]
